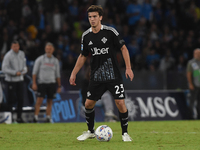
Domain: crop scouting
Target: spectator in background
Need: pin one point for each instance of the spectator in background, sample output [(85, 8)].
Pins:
[(154, 32), (4, 44), (193, 75), (50, 35), (32, 30), (11, 28), (14, 67), (158, 48), (172, 19), (66, 47), (147, 10), (27, 12), (158, 14), (60, 43), (69, 62), (57, 19), (41, 19), (46, 71), (22, 39), (118, 23), (181, 64), (133, 49), (65, 30), (73, 10), (125, 34), (167, 62), (152, 60), (141, 27), (133, 11)]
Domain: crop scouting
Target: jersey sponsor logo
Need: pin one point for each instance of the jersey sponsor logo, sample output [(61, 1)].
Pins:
[(98, 51), (90, 43), (104, 40)]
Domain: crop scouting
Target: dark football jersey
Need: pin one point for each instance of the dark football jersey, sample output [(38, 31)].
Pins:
[(103, 47)]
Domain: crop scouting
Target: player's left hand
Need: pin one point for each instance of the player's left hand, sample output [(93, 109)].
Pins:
[(129, 73), (72, 80)]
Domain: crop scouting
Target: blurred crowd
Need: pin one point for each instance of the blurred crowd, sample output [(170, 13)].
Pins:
[(159, 34)]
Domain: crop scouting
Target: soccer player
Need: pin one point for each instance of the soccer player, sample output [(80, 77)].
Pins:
[(47, 70), (102, 42)]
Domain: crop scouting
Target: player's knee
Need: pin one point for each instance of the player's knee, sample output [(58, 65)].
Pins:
[(119, 102), (89, 105)]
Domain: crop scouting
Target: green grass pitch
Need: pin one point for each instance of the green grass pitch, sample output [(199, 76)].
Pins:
[(147, 135)]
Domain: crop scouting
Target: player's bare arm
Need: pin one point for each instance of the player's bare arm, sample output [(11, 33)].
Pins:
[(79, 63), (125, 54)]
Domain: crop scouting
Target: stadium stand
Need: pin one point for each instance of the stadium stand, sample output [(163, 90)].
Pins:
[(161, 28)]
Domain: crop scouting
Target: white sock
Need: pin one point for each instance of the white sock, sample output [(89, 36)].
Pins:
[(49, 117), (36, 117)]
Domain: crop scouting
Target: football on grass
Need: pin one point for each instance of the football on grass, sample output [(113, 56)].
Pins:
[(103, 133)]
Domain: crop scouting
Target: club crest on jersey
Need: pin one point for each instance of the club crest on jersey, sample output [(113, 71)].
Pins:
[(98, 51), (104, 40)]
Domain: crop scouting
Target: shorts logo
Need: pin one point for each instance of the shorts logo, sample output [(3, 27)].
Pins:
[(88, 94), (104, 40), (122, 95), (82, 47)]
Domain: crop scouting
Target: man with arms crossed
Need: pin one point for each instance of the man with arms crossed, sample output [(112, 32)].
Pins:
[(46, 69), (103, 42)]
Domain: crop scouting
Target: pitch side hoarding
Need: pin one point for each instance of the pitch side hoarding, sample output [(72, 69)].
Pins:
[(142, 105)]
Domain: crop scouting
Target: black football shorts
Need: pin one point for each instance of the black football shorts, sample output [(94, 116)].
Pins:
[(48, 89), (97, 89)]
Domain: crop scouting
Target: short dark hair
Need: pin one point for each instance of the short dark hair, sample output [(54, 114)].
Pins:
[(95, 8), (15, 42)]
